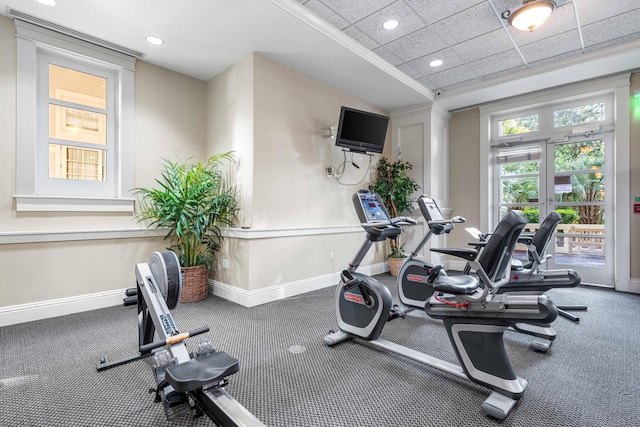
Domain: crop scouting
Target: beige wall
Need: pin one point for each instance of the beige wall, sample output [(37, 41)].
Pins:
[(283, 155), (274, 119), (229, 127), (634, 167), (464, 172), (293, 114), (47, 271), (7, 120), (170, 118)]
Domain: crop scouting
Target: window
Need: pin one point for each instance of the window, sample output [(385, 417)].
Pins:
[(579, 115), (75, 124), (76, 110), (518, 170), (518, 125)]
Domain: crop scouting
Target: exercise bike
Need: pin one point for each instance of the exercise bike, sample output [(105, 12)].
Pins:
[(415, 273), (475, 316), (531, 278), (184, 381)]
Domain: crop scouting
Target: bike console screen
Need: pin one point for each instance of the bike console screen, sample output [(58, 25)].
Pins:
[(369, 207), (429, 209)]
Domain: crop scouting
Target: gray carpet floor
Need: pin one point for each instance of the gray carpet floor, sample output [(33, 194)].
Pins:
[(590, 377)]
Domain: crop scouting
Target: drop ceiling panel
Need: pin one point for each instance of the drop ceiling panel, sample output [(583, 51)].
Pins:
[(551, 46), (417, 44), (475, 21), (436, 10), (320, 9), (461, 74), (448, 56), (597, 10), (502, 61), (361, 37), (484, 46), (613, 28), (629, 40), (372, 25), (354, 11), (410, 71), (388, 56)]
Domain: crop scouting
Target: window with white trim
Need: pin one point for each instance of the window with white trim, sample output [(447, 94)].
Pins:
[(75, 124)]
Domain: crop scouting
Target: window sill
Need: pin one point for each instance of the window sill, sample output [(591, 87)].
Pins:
[(72, 204)]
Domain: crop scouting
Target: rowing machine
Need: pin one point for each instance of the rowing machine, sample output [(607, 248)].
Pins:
[(184, 382)]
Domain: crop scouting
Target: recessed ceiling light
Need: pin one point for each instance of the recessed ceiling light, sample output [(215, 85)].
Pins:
[(47, 2), (154, 40), (436, 63), (390, 24)]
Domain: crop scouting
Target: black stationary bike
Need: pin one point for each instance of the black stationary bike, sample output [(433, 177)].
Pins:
[(181, 377), (415, 273), (532, 278), (474, 314)]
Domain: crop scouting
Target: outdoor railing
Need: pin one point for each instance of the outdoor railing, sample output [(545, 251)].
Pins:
[(576, 238)]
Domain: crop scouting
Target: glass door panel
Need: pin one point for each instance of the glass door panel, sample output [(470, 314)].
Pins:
[(519, 186), (576, 189)]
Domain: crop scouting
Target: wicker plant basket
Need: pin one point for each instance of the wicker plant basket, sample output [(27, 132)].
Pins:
[(394, 265), (194, 283)]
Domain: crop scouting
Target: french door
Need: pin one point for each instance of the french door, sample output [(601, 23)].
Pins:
[(571, 175)]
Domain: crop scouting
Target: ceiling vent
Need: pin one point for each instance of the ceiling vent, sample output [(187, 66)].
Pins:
[(73, 33)]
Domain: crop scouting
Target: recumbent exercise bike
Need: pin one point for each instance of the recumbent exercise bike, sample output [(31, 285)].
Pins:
[(532, 278), (529, 278), (474, 314)]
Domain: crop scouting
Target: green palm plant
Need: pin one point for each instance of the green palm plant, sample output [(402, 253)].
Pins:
[(394, 187), (192, 201)]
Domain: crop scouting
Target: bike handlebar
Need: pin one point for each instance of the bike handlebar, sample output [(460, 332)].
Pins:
[(401, 220), (454, 220)]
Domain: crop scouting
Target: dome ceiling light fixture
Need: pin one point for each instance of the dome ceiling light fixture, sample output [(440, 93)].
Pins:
[(530, 15)]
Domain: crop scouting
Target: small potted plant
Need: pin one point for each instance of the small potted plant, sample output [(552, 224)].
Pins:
[(394, 187), (192, 201)]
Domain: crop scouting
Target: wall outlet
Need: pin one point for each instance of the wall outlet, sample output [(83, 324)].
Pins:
[(225, 263), (329, 171), (331, 256)]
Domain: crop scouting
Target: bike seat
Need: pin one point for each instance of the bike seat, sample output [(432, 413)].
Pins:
[(456, 285), (199, 372)]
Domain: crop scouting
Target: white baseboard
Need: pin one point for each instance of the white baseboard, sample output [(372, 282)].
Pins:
[(14, 314), (277, 292), (30, 312)]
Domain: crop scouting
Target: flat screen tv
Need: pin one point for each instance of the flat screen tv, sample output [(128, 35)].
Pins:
[(361, 131)]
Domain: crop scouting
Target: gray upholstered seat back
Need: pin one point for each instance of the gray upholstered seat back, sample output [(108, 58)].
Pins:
[(543, 236), (495, 258)]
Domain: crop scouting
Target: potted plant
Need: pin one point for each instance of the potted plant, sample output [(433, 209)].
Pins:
[(394, 187), (192, 201)]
